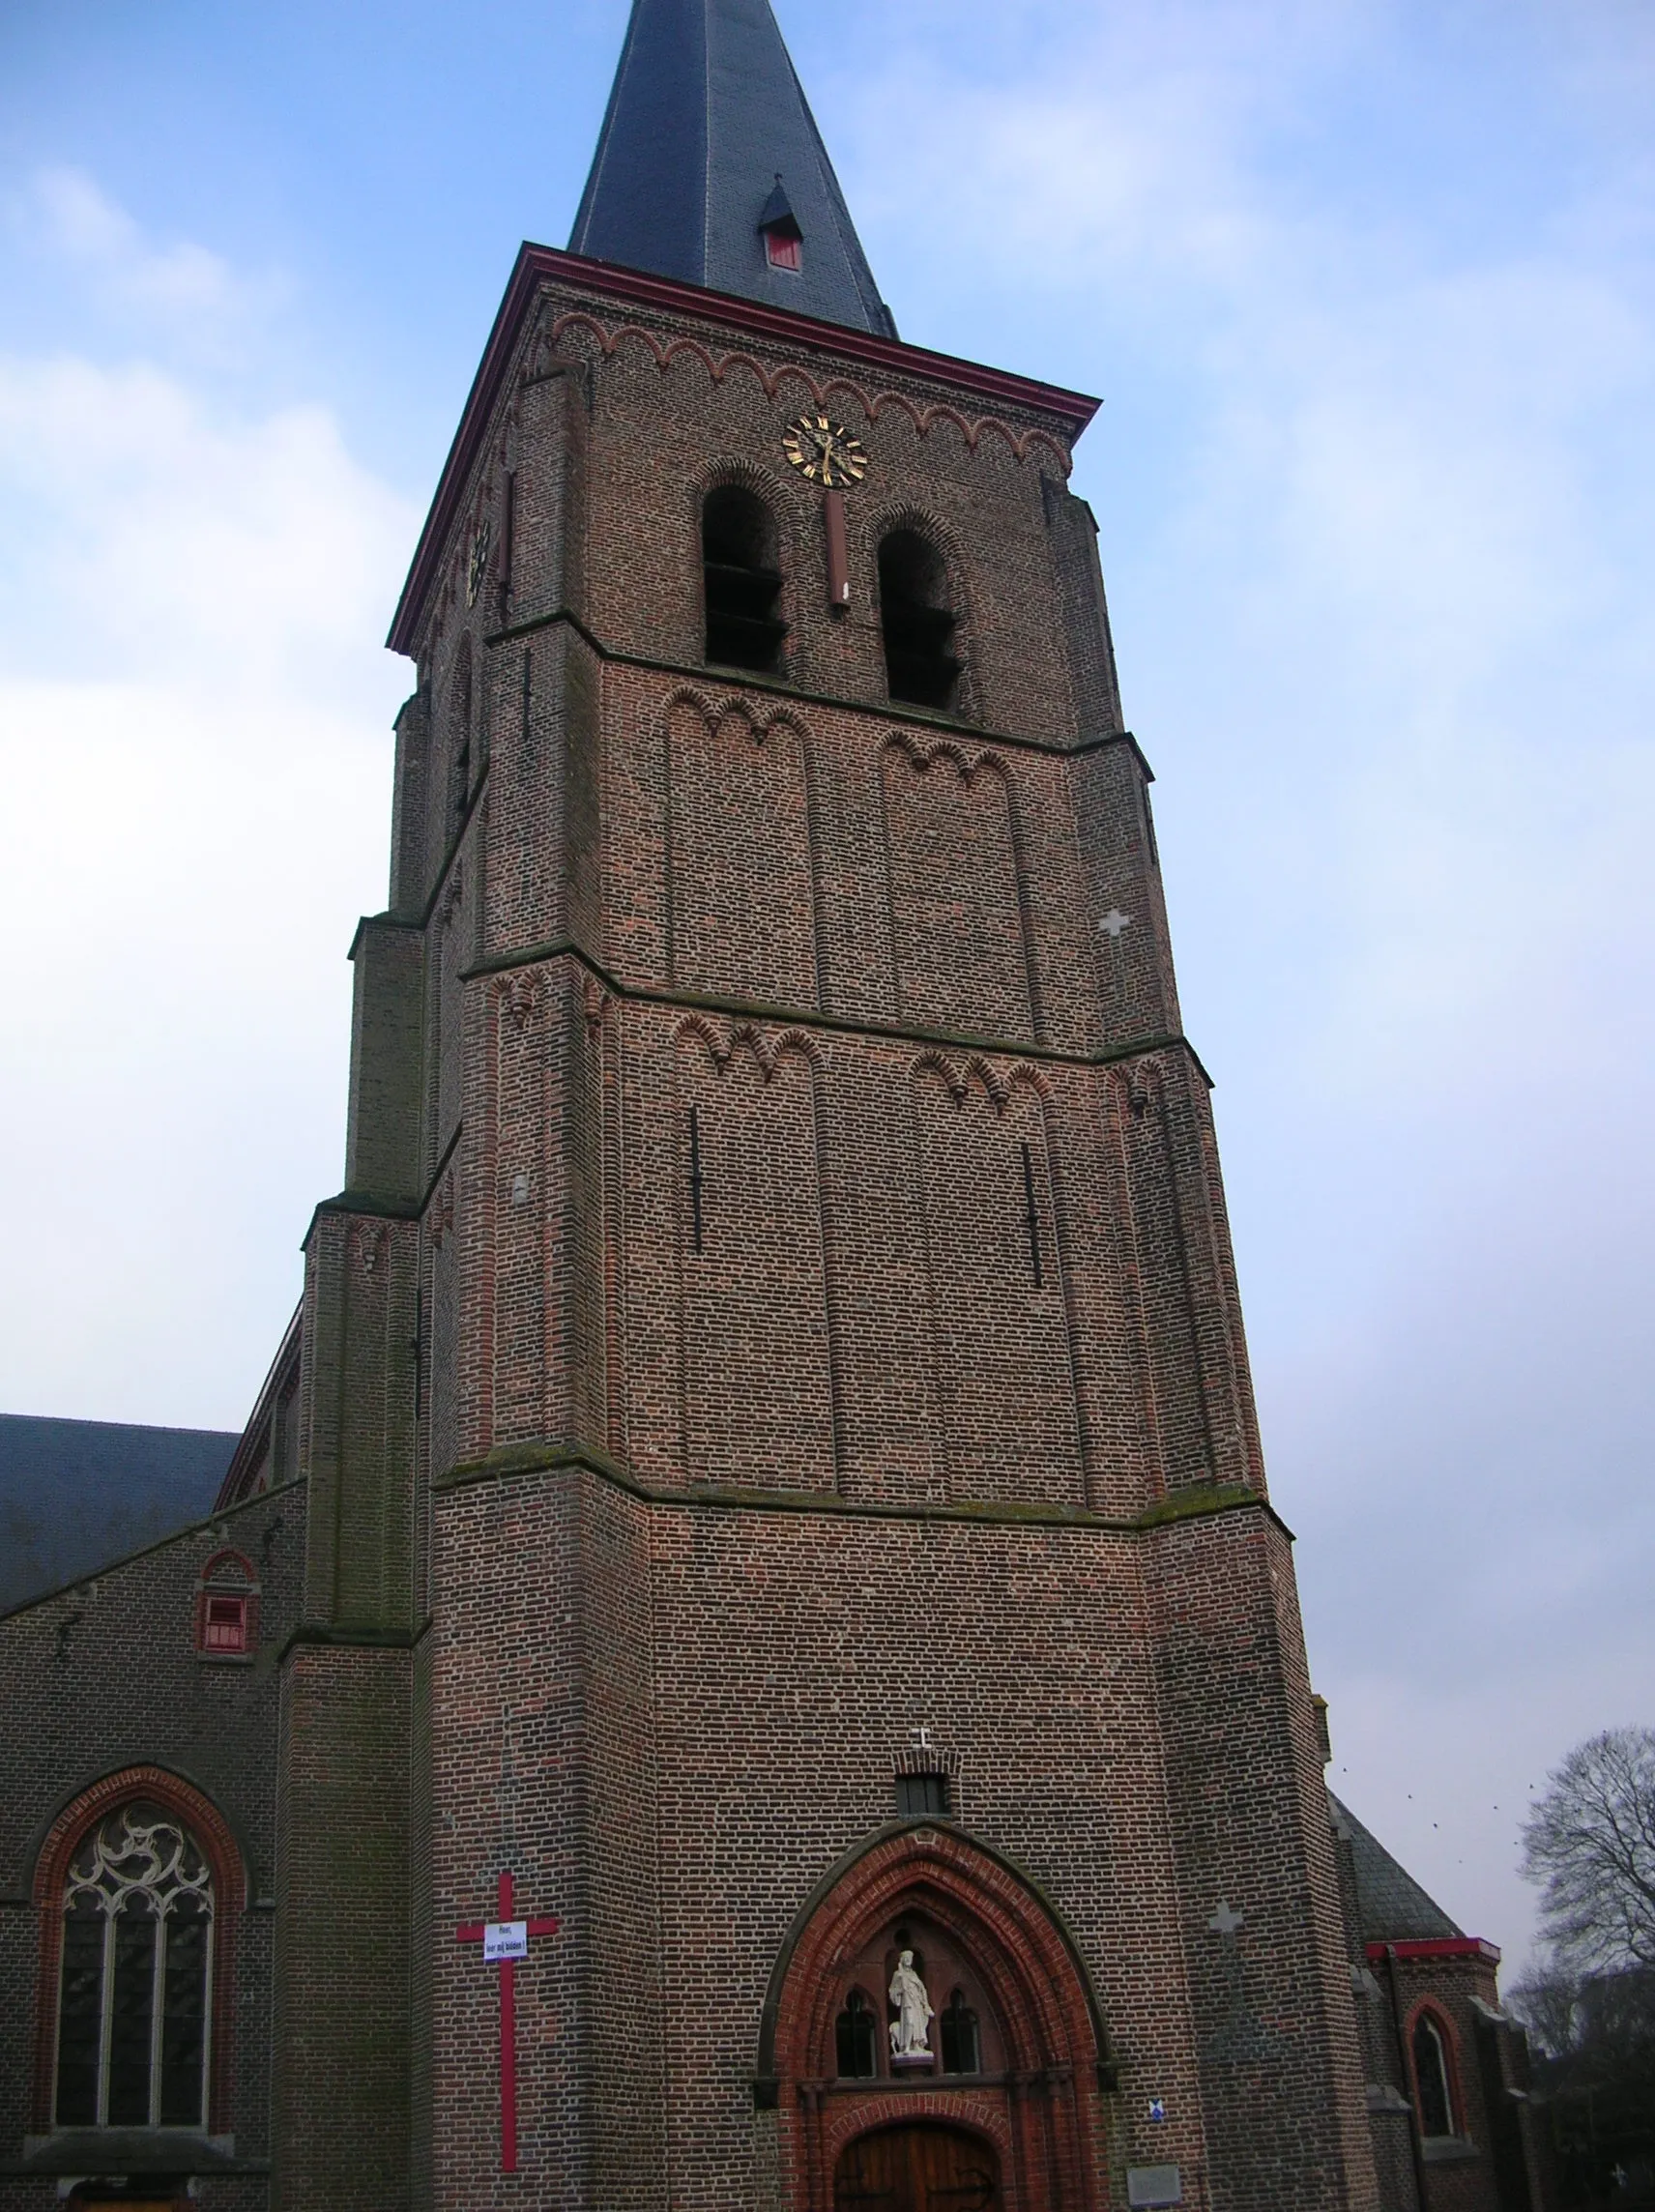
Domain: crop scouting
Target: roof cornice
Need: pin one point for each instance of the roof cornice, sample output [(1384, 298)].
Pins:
[(539, 263)]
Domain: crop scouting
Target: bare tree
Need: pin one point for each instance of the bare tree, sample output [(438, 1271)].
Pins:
[(1589, 1844)]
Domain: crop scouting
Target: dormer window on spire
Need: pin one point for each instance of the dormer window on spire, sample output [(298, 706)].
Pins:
[(778, 227)]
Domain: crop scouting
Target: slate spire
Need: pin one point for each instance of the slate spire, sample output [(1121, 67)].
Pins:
[(707, 125)]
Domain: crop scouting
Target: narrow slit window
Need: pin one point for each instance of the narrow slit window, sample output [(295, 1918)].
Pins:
[(743, 584), (1032, 1217), (918, 622), (696, 1177), (460, 713)]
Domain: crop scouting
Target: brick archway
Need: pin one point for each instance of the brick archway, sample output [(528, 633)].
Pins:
[(1040, 2103)]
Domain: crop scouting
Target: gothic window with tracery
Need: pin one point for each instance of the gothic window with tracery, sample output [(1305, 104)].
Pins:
[(135, 1975), (854, 2032), (1431, 2073)]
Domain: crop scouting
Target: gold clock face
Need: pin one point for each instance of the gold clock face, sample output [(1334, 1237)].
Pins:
[(824, 451), (477, 566)]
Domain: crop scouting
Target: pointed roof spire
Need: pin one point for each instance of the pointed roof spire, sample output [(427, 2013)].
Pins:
[(706, 120)]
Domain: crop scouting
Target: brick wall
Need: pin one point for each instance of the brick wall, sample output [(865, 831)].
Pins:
[(105, 1676)]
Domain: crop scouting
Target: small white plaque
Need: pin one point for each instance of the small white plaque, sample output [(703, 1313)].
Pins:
[(1153, 2185), (506, 1939)]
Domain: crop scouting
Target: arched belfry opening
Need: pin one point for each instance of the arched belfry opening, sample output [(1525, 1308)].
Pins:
[(925, 1970), (742, 580), (918, 620)]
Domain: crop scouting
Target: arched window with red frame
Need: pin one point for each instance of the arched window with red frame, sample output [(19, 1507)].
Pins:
[(1434, 2076), (139, 1889)]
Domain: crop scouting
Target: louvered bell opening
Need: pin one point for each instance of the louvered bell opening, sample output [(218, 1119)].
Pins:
[(920, 666), (742, 582)]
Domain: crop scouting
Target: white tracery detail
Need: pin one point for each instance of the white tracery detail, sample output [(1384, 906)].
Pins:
[(138, 1849)]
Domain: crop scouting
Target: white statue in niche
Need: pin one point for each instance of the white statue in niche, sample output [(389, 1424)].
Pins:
[(910, 2029)]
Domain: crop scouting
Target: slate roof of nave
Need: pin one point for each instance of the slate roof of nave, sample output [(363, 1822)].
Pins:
[(1390, 1903), (78, 1495), (706, 120)]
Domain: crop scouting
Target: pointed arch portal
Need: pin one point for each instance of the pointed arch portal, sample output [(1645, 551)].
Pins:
[(1011, 2119)]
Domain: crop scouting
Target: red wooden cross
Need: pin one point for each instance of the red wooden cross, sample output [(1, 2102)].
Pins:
[(503, 1943)]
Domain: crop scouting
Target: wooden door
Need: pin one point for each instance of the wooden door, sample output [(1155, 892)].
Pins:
[(924, 2168)]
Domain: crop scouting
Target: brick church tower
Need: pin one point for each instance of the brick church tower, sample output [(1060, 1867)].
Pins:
[(783, 1485)]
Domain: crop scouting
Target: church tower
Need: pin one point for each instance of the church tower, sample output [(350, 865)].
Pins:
[(784, 1498)]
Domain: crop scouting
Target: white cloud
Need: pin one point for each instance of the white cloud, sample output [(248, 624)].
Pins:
[(230, 550), (195, 744), (180, 293)]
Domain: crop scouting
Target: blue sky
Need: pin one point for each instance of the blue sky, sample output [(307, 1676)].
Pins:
[(1367, 289)]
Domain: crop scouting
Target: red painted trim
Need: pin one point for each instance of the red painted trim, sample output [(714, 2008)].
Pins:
[(1439, 1947), (535, 264), (247, 1643), (211, 1584), (211, 1832), (248, 1588)]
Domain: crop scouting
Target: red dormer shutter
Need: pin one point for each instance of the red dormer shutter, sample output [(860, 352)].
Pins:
[(225, 1627)]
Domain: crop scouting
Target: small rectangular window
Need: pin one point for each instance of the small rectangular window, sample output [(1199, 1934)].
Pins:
[(918, 1794), (225, 1628), (782, 252)]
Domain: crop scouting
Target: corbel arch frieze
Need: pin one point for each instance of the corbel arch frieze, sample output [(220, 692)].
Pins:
[(959, 1073), (770, 946), (769, 1047), (972, 764), (715, 707), (664, 351), (519, 996), (999, 1081), (714, 1040)]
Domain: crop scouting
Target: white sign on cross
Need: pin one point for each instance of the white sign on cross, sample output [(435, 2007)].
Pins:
[(503, 1943)]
